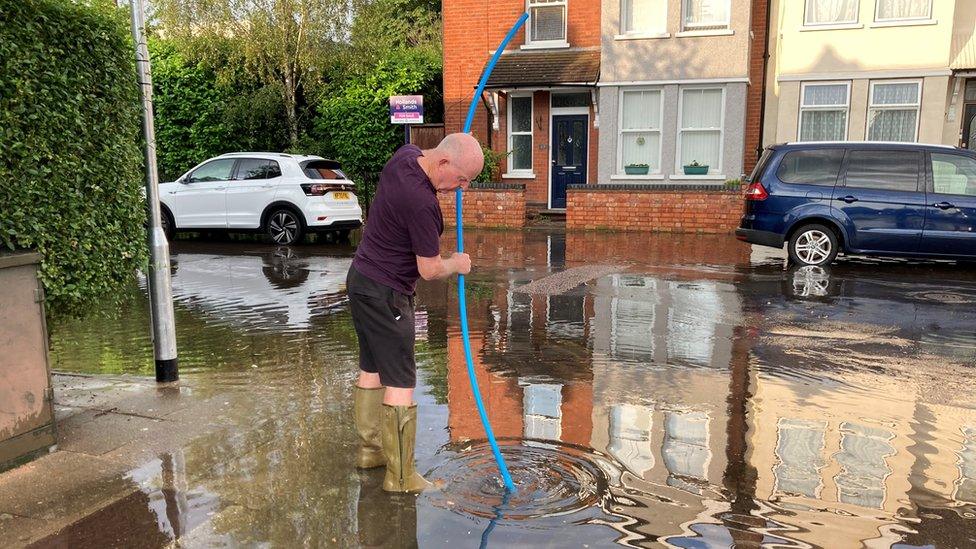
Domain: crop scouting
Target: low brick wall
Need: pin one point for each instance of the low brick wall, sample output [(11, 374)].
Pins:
[(708, 209), (493, 205)]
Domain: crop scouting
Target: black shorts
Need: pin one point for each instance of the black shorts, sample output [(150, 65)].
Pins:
[(384, 322)]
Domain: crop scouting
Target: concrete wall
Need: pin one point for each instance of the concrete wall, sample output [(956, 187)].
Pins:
[(675, 55), (865, 46), (859, 54)]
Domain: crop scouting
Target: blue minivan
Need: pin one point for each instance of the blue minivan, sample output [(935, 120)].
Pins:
[(867, 198)]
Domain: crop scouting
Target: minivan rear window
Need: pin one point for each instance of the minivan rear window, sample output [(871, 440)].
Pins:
[(760, 166), (883, 170), (811, 167)]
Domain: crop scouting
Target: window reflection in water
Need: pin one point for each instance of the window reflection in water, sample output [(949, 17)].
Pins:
[(799, 452), (685, 449), (966, 485), (632, 320), (692, 317), (542, 410), (650, 316), (862, 457), (630, 437)]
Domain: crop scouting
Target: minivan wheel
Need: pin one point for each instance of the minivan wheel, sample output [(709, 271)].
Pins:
[(284, 227), (813, 245)]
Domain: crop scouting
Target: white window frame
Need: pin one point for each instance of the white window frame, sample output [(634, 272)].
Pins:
[(678, 167), (899, 107), (529, 43), (807, 23), (847, 105), (512, 172), (706, 28), (621, 130), (626, 5), (878, 19)]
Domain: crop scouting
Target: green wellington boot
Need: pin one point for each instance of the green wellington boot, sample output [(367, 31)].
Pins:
[(368, 404), (399, 438)]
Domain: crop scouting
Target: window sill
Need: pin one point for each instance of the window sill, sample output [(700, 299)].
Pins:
[(518, 175), (904, 23), (709, 177), (691, 33), (638, 178), (546, 46), (837, 26), (642, 35)]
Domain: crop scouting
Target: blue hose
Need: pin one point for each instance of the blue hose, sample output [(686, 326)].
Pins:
[(462, 306)]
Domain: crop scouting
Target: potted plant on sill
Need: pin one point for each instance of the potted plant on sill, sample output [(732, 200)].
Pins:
[(636, 169), (696, 169)]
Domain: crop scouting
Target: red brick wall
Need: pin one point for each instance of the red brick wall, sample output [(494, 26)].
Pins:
[(654, 209), (486, 208), (757, 68)]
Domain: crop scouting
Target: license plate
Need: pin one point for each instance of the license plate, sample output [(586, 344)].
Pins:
[(340, 195)]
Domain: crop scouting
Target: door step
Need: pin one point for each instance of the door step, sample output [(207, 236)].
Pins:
[(559, 214)]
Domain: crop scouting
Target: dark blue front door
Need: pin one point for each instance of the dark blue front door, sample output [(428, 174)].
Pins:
[(568, 156)]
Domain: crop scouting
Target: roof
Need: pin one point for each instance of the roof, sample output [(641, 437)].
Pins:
[(270, 155), (546, 68), (865, 145)]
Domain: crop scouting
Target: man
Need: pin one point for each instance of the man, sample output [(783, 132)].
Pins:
[(401, 243)]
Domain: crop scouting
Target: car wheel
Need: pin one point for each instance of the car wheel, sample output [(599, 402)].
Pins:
[(284, 227), (166, 222), (813, 245)]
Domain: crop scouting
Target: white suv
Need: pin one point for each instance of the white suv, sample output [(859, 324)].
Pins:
[(283, 195)]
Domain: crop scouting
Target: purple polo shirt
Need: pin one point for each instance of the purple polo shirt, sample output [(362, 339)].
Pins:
[(404, 221)]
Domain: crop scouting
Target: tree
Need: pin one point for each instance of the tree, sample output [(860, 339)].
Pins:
[(383, 27), (285, 43)]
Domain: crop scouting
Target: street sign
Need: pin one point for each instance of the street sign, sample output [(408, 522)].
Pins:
[(406, 109)]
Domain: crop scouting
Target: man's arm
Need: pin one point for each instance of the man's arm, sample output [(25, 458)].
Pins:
[(433, 268)]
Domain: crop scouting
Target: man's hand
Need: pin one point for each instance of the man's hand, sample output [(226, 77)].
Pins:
[(432, 268), (461, 262)]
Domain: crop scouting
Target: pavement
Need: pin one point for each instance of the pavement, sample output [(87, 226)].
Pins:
[(107, 428)]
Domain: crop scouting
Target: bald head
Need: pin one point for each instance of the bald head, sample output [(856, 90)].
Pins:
[(464, 151), (455, 162)]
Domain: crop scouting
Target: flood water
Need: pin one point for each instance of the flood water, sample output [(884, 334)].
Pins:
[(695, 392)]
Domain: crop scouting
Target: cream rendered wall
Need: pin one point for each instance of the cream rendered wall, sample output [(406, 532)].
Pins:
[(859, 54)]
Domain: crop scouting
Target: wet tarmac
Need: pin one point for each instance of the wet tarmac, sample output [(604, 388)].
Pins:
[(659, 390)]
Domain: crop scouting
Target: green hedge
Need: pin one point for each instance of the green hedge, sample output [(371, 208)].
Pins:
[(200, 114), (70, 160), (354, 121)]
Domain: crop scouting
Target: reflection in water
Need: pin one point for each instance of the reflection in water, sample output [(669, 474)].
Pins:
[(862, 456), (799, 450), (966, 483), (699, 397), (382, 519), (543, 416), (630, 437), (161, 508), (685, 450)]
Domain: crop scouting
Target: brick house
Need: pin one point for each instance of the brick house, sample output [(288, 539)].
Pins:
[(563, 101), (541, 92)]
